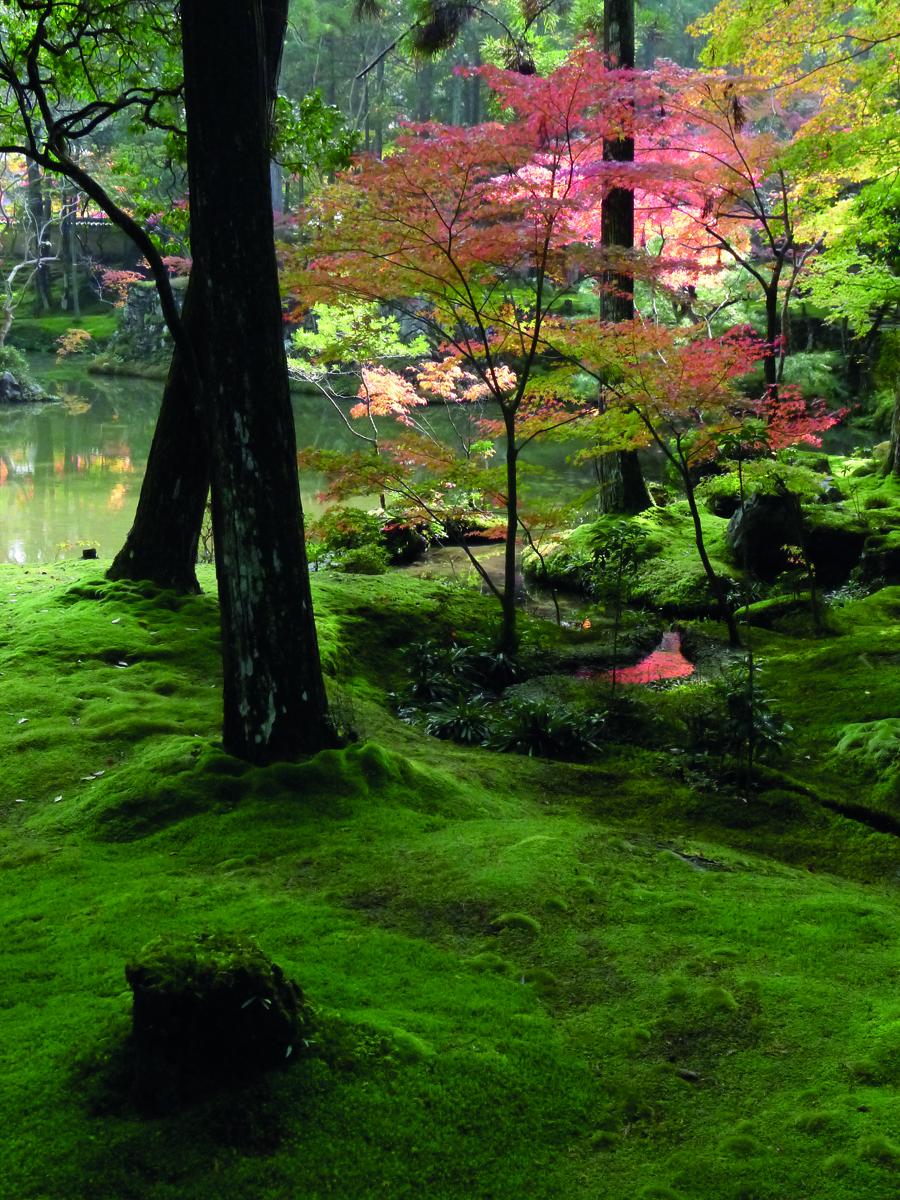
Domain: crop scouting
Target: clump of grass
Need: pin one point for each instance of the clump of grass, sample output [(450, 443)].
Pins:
[(740, 1145), (817, 1120), (837, 1164), (879, 1150)]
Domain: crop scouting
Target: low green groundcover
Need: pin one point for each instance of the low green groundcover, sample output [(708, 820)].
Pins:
[(612, 979)]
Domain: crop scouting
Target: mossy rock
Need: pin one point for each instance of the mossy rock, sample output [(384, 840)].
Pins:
[(880, 557), (209, 1007), (835, 541)]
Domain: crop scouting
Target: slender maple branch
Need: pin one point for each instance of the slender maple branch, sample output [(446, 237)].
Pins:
[(405, 490), (870, 44), (534, 546), (570, 420)]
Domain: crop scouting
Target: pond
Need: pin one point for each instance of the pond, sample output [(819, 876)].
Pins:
[(71, 470), (665, 662)]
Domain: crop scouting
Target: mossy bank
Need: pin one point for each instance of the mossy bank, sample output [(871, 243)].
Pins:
[(530, 978)]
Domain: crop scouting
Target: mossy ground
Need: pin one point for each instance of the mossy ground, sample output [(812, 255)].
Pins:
[(533, 979), (40, 334)]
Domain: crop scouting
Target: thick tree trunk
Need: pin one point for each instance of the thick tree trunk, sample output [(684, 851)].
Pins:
[(162, 543), (274, 696), (621, 482), (622, 486)]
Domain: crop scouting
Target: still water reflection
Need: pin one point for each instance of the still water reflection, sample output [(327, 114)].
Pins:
[(71, 470)]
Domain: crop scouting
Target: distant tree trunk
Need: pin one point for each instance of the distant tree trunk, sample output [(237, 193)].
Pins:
[(617, 209), (379, 109), (368, 129), (892, 463), (275, 185), (69, 251), (473, 116), (38, 223), (332, 79), (773, 332), (424, 91), (73, 256), (456, 96), (274, 696), (622, 486)]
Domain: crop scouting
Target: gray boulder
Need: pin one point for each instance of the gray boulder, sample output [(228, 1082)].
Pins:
[(10, 388), (758, 533)]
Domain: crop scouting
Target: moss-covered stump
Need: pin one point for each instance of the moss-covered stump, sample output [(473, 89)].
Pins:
[(206, 1009)]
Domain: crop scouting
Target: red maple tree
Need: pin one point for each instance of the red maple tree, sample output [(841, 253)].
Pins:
[(483, 234)]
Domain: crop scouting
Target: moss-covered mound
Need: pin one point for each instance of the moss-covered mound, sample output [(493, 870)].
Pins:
[(667, 576)]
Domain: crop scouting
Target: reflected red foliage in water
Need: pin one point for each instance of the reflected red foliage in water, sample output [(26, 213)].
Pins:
[(666, 662)]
